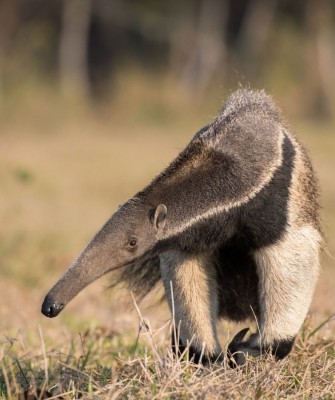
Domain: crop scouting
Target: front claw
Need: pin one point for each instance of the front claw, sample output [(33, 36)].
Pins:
[(236, 356)]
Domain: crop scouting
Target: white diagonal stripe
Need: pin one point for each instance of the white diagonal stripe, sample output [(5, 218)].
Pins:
[(265, 179)]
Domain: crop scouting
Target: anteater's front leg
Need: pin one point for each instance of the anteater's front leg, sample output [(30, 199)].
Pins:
[(191, 288), (287, 272)]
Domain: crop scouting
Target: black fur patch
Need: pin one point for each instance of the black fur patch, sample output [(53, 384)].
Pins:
[(281, 348), (177, 350), (193, 354), (237, 282), (263, 220)]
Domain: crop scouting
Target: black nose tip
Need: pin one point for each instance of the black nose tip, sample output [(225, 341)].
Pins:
[(51, 308)]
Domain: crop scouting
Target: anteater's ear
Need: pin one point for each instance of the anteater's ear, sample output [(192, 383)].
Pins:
[(159, 216)]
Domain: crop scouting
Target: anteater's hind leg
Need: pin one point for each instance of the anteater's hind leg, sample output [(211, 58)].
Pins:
[(287, 272), (191, 288)]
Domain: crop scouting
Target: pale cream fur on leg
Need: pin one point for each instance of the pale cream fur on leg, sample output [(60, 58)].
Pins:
[(288, 271), (195, 300)]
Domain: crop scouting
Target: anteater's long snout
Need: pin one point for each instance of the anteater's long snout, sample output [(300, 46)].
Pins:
[(96, 260), (50, 307), (89, 266)]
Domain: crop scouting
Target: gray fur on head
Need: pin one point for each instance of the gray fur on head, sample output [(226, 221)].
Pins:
[(232, 228)]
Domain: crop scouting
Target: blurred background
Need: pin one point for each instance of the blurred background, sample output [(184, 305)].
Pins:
[(97, 97)]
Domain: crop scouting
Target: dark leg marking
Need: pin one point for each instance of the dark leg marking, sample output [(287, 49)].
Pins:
[(179, 349), (193, 354), (281, 348), (239, 349)]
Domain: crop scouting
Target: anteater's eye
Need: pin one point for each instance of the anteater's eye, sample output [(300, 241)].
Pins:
[(132, 243)]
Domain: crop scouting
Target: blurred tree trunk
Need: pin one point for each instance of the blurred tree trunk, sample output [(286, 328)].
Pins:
[(326, 62), (254, 33), (8, 25), (320, 20), (73, 48), (200, 46)]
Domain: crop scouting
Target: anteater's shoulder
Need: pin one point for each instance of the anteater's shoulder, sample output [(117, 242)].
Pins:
[(244, 110), (247, 101)]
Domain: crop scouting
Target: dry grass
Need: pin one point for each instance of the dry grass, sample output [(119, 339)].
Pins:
[(90, 368), (61, 176)]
